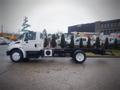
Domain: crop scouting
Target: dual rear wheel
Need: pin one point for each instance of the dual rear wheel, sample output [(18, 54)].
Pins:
[(79, 56)]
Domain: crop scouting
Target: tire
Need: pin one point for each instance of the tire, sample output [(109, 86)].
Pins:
[(16, 55), (79, 56)]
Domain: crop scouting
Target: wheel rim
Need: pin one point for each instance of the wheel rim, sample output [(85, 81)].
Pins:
[(16, 56), (80, 57)]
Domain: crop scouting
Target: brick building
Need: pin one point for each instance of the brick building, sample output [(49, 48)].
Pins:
[(107, 27)]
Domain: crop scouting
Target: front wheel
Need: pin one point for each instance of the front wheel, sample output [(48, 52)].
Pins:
[(16, 56), (79, 56)]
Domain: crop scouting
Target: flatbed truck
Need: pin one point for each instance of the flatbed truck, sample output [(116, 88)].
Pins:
[(30, 45)]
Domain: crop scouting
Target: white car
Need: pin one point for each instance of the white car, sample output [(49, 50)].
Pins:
[(84, 39)]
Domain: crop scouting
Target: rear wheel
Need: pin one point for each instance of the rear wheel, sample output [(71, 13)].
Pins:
[(79, 56), (16, 56)]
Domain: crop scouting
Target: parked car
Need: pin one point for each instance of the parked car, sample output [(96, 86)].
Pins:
[(4, 41), (84, 39)]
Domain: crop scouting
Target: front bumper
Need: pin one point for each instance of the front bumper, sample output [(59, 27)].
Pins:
[(7, 53)]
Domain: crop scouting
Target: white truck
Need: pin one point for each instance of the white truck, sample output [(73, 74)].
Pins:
[(30, 45)]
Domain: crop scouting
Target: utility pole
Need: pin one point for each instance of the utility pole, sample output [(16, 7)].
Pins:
[(1, 30)]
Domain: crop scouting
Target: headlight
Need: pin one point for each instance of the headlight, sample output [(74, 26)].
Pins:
[(12, 43)]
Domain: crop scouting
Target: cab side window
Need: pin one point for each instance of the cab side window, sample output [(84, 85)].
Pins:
[(31, 36)]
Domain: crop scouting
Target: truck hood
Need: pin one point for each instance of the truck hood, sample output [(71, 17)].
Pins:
[(14, 42)]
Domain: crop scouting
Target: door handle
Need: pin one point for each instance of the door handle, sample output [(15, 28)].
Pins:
[(26, 41), (35, 45)]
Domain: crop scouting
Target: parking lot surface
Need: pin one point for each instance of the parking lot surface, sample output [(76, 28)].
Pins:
[(59, 74)]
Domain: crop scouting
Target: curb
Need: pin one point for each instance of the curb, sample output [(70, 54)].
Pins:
[(103, 56)]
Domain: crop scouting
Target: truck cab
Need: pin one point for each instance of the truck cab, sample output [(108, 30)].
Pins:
[(26, 43)]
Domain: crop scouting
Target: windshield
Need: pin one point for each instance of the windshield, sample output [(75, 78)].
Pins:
[(20, 37)]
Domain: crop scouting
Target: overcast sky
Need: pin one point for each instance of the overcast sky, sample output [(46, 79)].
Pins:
[(55, 15)]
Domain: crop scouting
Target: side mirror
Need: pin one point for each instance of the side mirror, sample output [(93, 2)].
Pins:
[(26, 40)]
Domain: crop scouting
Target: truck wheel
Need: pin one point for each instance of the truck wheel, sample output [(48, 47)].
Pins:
[(16, 56), (79, 56)]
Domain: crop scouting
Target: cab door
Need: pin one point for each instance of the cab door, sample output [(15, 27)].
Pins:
[(29, 43)]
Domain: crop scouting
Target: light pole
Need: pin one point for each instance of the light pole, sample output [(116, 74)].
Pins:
[(1, 30)]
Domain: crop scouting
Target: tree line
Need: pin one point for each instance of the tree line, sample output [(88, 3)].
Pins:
[(63, 43)]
